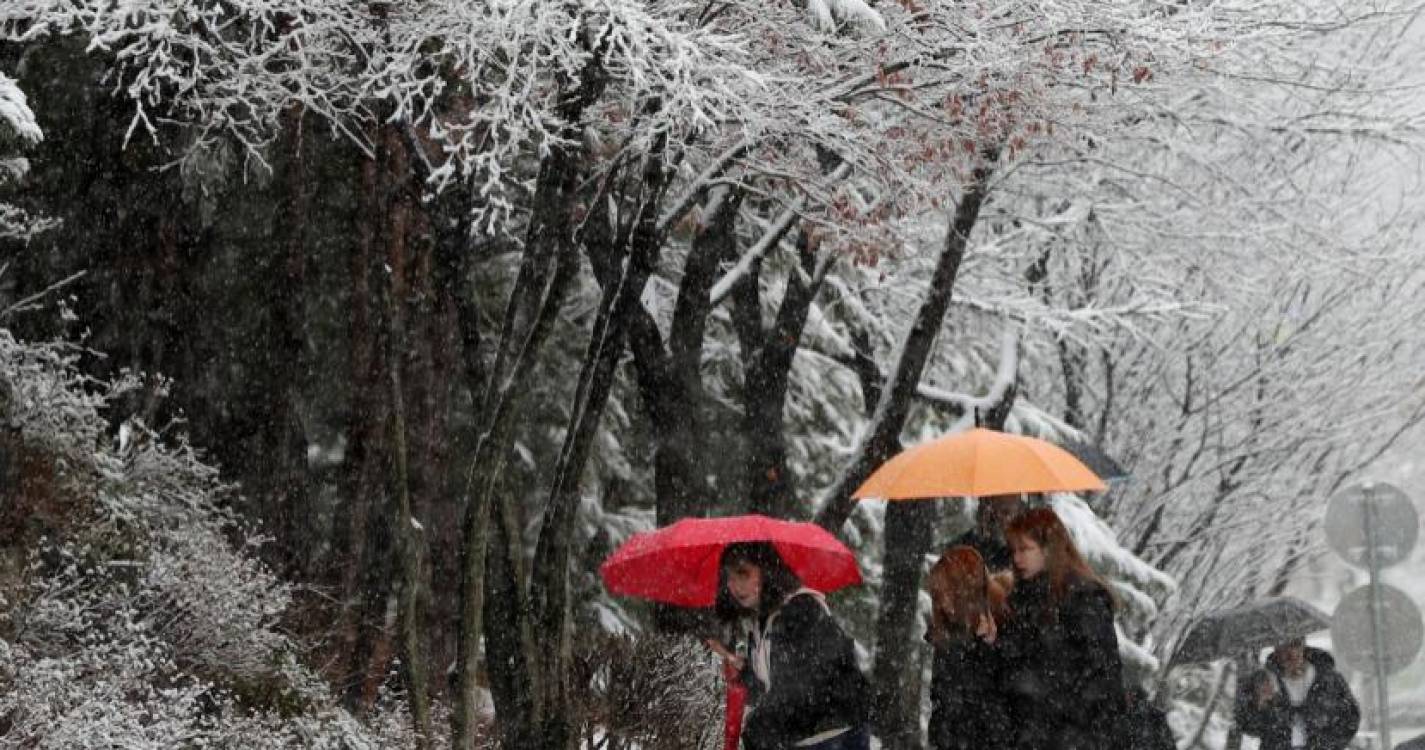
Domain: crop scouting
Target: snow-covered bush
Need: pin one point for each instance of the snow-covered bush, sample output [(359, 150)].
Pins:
[(648, 691), (130, 618)]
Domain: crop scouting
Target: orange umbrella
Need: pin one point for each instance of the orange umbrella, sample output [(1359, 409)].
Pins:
[(977, 463)]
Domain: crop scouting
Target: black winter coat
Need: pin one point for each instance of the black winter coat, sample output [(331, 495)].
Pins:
[(1145, 726), (968, 705), (816, 684), (1331, 713), (1063, 674)]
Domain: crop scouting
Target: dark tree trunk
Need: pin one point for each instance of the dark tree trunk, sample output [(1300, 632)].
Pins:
[(405, 273), (882, 436), (508, 667), (771, 488), (284, 448), (671, 385), (895, 684), (548, 268), (549, 584), (365, 554)]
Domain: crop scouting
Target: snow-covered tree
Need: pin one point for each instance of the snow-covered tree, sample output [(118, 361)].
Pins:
[(753, 198)]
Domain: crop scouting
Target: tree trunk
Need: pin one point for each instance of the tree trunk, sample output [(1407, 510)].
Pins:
[(549, 584), (285, 441), (509, 667), (768, 483), (410, 549), (365, 545), (408, 538), (882, 435), (672, 386), (908, 537), (549, 242)]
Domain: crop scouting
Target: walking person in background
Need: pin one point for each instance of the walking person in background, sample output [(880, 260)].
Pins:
[(1064, 677), (805, 689), (968, 708), (992, 514), (1298, 701)]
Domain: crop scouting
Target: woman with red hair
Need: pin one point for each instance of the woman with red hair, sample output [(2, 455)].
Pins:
[(1064, 677), (967, 608)]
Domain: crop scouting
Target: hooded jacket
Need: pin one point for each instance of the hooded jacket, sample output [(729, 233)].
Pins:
[(1330, 712)]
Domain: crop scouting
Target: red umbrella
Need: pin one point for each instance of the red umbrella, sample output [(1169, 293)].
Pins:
[(678, 564)]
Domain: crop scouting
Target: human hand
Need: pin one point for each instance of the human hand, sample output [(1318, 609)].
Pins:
[(730, 660), (1266, 690)]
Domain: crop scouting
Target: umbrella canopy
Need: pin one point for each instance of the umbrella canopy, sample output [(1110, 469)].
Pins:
[(1091, 455), (678, 564), (1230, 632), (977, 463)]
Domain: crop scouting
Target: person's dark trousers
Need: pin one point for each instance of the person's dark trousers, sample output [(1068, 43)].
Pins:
[(856, 739)]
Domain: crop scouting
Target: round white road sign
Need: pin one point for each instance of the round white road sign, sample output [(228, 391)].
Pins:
[(1395, 530)]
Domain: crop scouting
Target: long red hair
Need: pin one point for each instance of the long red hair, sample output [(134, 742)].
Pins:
[(961, 592), (1062, 561)]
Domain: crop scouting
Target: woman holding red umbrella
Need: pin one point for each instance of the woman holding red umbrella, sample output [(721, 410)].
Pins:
[(806, 690), (770, 574)]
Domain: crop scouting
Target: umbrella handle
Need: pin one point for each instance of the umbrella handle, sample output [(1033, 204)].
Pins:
[(720, 649), (736, 705)]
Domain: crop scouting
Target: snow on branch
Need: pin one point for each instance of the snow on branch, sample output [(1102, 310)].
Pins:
[(15, 113), (827, 12)]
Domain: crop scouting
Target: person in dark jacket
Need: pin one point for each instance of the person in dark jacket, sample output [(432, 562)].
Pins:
[(1298, 701), (805, 689), (1145, 726), (968, 709), (1064, 677), (992, 514)]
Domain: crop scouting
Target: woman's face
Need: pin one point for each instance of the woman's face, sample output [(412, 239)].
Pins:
[(744, 582), (1028, 557)]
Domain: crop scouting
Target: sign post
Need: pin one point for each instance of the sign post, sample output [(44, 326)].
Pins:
[(1374, 526), (1368, 508)]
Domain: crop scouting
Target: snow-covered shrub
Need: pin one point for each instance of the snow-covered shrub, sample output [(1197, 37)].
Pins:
[(132, 619), (652, 692)]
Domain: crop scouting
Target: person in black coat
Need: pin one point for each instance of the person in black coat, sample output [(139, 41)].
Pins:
[(992, 514), (968, 709), (1298, 701), (1064, 677), (805, 688)]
